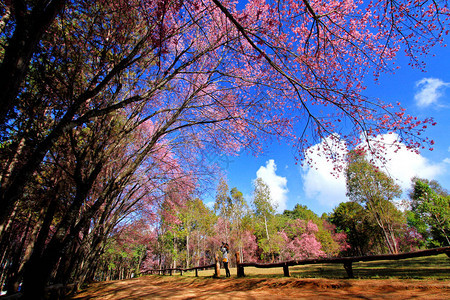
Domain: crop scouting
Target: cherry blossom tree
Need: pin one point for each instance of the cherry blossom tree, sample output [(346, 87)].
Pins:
[(333, 243), (301, 242), (209, 75), (102, 194), (250, 247), (273, 65)]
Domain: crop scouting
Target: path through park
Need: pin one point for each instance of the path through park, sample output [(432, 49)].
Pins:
[(155, 287)]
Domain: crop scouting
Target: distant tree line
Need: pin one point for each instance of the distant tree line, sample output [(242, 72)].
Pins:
[(370, 223)]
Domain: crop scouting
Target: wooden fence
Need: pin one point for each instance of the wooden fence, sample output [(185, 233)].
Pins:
[(215, 265), (181, 270), (346, 261)]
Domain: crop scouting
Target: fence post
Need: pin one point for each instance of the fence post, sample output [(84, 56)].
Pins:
[(286, 270), (217, 266), (240, 269), (196, 272), (349, 269), (181, 272)]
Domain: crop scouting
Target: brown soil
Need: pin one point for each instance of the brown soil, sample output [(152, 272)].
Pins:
[(168, 287)]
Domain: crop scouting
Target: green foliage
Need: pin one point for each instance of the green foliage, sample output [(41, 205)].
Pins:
[(270, 247), (430, 206), (265, 223), (223, 205), (119, 255), (261, 199), (239, 205), (366, 184), (353, 219), (329, 245), (196, 223), (369, 186), (301, 212), (414, 220)]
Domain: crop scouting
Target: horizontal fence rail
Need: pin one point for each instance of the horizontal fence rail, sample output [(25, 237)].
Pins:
[(346, 261), (181, 270)]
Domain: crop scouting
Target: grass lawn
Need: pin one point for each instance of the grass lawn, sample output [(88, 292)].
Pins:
[(431, 267)]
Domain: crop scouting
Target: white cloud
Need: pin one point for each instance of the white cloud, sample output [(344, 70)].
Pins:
[(320, 185), (277, 184), (447, 160), (402, 165), (430, 90)]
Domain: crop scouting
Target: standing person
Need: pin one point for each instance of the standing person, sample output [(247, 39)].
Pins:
[(225, 249)]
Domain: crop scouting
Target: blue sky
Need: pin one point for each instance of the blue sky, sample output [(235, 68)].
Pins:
[(422, 93)]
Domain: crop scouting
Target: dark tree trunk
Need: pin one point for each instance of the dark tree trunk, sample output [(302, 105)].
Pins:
[(29, 30)]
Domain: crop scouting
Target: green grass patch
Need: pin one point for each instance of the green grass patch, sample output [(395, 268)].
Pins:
[(431, 267)]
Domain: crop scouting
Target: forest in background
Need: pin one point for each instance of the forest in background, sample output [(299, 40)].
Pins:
[(108, 109), (371, 223)]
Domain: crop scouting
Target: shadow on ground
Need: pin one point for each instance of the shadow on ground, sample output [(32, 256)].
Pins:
[(176, 287)]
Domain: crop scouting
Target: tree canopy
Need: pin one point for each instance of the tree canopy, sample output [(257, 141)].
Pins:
[(373, 188), (430, 206)]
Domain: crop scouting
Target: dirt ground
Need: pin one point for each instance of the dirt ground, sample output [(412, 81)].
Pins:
[(176, 287)]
